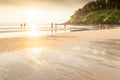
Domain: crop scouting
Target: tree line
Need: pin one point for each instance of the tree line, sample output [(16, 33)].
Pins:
[(93, 6), (100, 5)]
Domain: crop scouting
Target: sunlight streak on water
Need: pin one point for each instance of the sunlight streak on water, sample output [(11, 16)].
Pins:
[(33, 31), (37, 50)]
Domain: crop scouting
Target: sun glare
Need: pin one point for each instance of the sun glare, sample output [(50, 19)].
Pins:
[(33, 30), (32, 15)]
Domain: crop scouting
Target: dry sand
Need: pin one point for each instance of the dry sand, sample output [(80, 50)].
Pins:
[(85, 55)]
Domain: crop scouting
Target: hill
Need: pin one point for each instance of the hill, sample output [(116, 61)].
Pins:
[(101, 16), (97, 12)]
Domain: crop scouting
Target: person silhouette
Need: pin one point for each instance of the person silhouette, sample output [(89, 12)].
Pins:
[(21, 25), (24, 26), (55, 27), (65, 27), (51, 27)]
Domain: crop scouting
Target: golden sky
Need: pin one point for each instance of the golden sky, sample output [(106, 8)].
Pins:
[(38, 11)]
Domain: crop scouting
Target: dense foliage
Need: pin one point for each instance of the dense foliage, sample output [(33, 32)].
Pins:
[(99, 11)]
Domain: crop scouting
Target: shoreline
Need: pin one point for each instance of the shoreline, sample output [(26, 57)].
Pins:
[(59, 39)]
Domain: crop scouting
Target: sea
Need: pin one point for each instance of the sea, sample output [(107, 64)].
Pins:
[(16, 30)]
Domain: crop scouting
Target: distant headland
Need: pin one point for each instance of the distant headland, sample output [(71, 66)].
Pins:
[(95, 12)]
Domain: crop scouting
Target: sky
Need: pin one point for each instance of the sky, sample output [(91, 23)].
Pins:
[(38, 11)]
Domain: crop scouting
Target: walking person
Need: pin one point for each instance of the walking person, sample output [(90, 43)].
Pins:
[(52, 27), (21, 25), (55, 27), (65, 27), (99, 26), (24, 26)]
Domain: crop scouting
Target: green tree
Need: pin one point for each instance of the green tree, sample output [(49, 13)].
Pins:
[(101, 4), (113, 4), (89, 7)]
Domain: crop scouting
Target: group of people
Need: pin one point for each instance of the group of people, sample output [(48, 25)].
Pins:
[(104, 26), (54, 27), (23, 26)]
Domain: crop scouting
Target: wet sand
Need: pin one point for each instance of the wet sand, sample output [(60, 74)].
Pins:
[(86, 55)]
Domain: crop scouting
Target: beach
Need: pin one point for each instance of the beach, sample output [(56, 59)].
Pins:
[(82, 55)]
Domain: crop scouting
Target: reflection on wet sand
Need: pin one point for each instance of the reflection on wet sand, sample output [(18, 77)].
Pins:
[(25, 65), (91, 62), (108, 50), (85, 60)]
